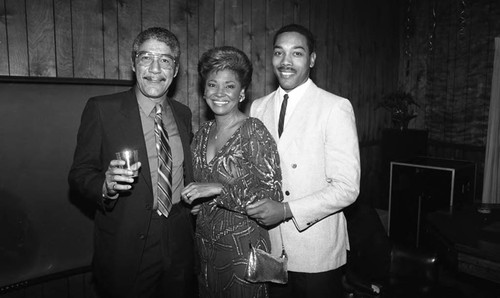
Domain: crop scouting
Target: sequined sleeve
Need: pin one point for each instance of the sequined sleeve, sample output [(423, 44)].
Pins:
[(260, 173)]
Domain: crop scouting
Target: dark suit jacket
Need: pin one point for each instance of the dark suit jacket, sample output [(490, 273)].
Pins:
[(109, 124)]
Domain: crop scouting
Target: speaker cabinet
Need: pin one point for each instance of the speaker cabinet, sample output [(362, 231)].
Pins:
[(423, 185), (399, 145)]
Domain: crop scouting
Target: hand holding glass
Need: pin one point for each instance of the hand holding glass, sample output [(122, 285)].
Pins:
[(131, 157)]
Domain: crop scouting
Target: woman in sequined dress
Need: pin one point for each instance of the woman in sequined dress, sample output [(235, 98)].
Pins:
[(235, 163)]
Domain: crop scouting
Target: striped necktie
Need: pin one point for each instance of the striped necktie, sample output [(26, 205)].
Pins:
[(164, 193), (281, 121)]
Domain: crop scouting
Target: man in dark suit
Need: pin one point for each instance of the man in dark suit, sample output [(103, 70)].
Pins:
[(141, 249)]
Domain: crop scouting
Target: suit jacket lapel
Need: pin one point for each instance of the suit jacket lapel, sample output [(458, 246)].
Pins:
[(268, 117), (184, 133), (132, 131), (295, 123)]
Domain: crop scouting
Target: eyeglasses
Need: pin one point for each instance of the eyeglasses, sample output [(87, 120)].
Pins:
[(166, 61)]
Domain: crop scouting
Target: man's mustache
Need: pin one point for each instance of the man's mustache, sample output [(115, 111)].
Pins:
[(287, 69)]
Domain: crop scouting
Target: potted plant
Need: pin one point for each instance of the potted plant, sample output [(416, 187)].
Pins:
[(402, 107)]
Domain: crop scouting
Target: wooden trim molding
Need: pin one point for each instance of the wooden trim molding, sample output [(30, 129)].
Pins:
[(75, 81), (42, 279)]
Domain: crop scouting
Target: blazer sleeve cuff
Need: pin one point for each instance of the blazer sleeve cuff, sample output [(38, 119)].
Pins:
[(300, 222), (107, 202)]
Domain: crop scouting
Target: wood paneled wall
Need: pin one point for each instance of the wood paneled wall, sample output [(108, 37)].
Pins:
[(447, 49), (91, 39)]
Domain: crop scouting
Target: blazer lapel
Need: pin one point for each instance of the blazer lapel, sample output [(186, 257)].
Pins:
[(185, 135), (268, 116), (132, 131), (295, 123)]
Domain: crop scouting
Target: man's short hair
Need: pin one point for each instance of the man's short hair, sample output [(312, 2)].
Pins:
[(311, 43), (160, 34)]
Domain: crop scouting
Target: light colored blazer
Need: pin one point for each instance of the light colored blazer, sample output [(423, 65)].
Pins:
[(319, 156)]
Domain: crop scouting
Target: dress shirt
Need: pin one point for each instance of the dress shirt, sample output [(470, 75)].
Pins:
[(147, 108), (293, 99)]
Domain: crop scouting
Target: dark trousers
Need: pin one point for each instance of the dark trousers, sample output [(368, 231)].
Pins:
[(167, 265), (326, 284)]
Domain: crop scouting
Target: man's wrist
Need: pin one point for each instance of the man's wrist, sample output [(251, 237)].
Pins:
[(107, 195), (113, 197)]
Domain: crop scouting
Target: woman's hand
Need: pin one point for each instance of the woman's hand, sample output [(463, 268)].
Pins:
[(197, 190), (196, 209)]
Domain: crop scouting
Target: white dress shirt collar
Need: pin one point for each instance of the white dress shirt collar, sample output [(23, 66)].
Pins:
[(294, 97)]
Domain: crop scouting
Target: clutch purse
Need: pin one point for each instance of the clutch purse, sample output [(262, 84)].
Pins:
[(263, 267)]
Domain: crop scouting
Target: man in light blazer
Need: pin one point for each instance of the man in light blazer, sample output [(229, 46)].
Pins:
[(138, 250), (319, 155)]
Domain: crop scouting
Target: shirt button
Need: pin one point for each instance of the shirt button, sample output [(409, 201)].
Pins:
[(287, 193), (294, 166), (141, 236)]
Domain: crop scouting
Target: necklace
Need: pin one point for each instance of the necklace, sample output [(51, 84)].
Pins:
[(217, 130)]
